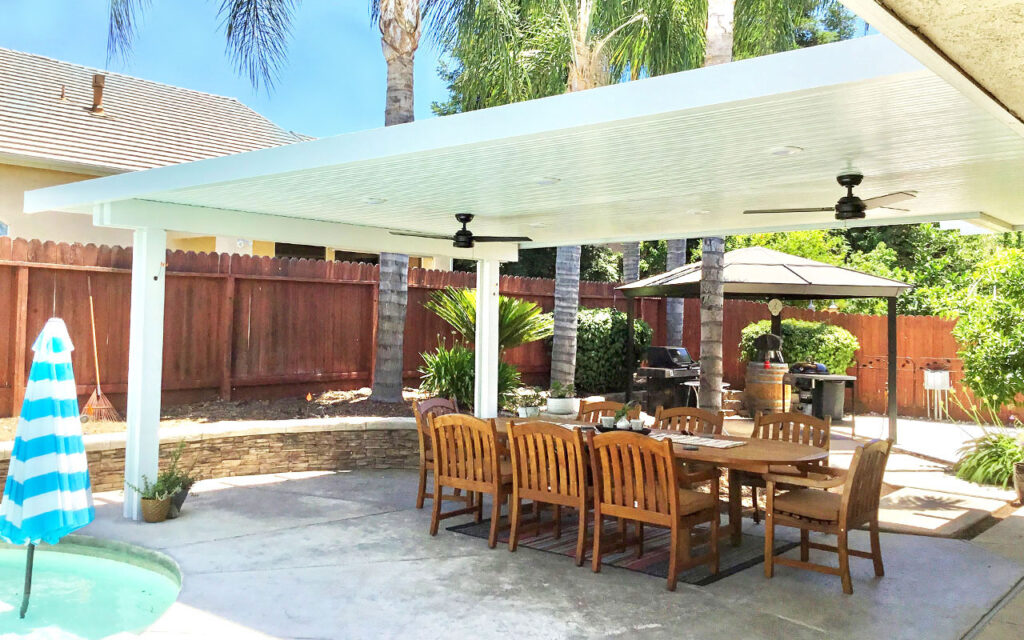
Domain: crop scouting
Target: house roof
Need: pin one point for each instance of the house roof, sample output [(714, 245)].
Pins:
[(145, 124), (760, 272)]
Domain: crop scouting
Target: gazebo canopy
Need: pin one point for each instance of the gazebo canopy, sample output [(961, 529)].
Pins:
[(759, 272)]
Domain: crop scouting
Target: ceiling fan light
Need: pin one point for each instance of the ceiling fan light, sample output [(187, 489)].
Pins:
[(785, 150)]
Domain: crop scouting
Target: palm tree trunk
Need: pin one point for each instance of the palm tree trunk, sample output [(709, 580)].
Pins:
[(567, 304), (400, 36), (674, 306), (630, 262), (718, 51)]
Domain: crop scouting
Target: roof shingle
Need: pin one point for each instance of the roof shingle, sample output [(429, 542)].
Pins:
[(145, 124)]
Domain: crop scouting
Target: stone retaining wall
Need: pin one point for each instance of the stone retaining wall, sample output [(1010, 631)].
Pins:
[(247, 448)]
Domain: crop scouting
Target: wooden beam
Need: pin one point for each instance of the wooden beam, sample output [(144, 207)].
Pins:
[(892, 398)]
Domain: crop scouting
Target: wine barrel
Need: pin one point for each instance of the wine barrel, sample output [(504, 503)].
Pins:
[(764, 391)]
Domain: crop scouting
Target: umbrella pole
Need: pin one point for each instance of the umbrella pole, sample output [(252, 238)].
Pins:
[(28, 579)]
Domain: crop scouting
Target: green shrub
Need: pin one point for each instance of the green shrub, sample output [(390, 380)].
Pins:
[(990, 331), (990, 459), (601, 349), (519, 321), (805, 341), (450, 373)]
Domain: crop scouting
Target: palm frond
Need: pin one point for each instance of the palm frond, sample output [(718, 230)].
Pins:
[(257, 33), (122, 27), (519, 321)]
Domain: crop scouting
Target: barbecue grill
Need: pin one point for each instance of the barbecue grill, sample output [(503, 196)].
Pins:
[(664, 377)]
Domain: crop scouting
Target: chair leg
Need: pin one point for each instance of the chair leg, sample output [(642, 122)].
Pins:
[(714, 540), (581, 538), (595, 563), (844, 562), (805, 542), (753, 499), (492, 539), (769, 544), (421, 492), (558, 521), (479, 498), (673, 556), (515, 506), (876, 550), (622, 535), (639, 539), (435, 512)]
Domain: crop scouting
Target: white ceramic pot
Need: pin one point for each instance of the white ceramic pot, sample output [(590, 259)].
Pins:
[(562, 406), (636, 425), (528, 412), (607, 421)]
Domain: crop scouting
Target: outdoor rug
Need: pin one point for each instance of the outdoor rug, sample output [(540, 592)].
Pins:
[(656, 548)]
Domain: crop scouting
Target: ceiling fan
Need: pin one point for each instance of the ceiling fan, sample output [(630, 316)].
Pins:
[(849, 207), (463, 238)]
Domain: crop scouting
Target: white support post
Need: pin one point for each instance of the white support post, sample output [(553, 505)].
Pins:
[(486, 387), (145, 364)]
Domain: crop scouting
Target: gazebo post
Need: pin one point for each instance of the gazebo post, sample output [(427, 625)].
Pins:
[(145, 364), (630, 314), (892, 408), (486, 345), (777, 323)]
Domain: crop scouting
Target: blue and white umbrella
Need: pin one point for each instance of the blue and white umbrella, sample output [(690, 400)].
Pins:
[(47, 494)]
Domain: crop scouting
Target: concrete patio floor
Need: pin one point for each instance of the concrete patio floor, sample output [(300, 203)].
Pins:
[(345, 555)]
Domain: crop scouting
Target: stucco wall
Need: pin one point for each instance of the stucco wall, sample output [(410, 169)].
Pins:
[(59, 227)]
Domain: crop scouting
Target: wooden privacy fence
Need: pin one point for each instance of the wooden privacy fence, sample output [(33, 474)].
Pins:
[(252, 327)]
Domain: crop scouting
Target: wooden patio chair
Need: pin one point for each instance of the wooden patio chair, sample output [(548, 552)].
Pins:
[(468, 457), (593, 411), (421, 409), (811, 507), (788, 427), (549, 466), (697, 422), (636, 478)]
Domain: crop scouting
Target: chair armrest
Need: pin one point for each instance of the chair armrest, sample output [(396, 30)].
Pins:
[(823, 478)]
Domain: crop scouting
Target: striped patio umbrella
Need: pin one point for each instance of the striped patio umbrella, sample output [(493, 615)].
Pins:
[(47, 494)]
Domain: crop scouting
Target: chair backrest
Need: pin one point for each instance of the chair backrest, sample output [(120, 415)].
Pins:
[(634, 477), (689, 419), (794, 427), (430, 407), (863, 488), (594, 411), (548, 462), (466, 452)]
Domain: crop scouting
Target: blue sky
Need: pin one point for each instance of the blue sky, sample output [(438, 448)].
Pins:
[(333, 83)]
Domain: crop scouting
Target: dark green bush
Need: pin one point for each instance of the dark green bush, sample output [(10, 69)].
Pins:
[(601, 349), (805, 341), (990, 459), (450, 373)]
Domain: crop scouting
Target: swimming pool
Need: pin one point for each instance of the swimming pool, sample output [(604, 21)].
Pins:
[(85, 588)]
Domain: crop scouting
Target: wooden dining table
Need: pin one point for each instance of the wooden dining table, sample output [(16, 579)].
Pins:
[(756, 455)]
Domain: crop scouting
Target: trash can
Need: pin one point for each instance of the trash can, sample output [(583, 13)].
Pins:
[(829, 398)]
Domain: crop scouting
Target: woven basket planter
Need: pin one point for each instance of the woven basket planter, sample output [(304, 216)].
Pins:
[(155, 510)]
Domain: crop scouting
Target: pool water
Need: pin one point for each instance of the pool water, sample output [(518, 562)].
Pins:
[(82, 592)]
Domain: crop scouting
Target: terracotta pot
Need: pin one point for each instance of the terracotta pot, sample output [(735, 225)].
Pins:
[(155, 510), (1018, 481)]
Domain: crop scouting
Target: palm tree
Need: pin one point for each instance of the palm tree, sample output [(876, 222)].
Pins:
[(630, 262), (512, 50), (257, 34), (675, 258)]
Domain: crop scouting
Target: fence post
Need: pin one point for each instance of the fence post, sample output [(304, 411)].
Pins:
[(20, 347), (227, 337)]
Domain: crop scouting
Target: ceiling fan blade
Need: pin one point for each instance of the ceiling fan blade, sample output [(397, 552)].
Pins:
[(889, 198), (896, 209), (801, 210), (416, 234), (501, 239)]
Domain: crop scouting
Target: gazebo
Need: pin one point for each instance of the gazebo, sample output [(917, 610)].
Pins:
[(758, 273)]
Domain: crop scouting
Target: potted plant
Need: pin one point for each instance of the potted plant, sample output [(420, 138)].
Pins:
[(622, 420), (528, 402), (1018, 481), (562, 398), (156, 498), (175, 475)]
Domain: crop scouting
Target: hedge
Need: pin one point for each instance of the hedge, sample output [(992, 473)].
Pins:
[(805, 341), (601, 349)]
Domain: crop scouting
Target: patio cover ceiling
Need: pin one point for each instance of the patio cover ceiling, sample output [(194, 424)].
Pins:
[(675, 156), (764, 273)]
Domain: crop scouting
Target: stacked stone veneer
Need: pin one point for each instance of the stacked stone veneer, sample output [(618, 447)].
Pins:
[(247, 448)]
